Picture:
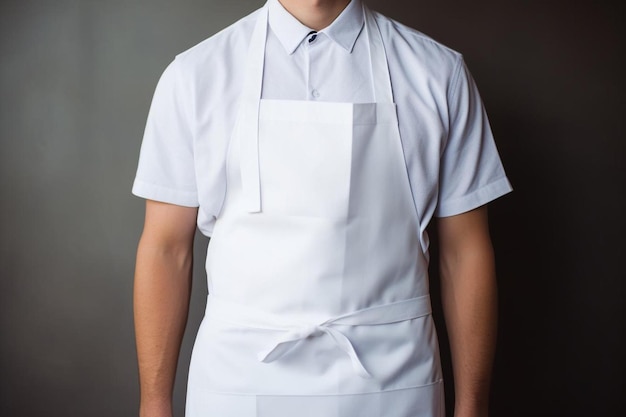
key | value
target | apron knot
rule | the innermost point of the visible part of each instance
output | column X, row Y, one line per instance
column 376, row 315
column 311, row 330
column 287, row 342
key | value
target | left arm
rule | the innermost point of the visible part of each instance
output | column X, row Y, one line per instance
column 469, row 297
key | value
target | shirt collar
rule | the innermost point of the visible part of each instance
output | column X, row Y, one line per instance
column 344, row 30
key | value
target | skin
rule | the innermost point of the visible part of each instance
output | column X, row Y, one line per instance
column 469, row 298
column 316, row 14
column 161, row 300
column 163, row 285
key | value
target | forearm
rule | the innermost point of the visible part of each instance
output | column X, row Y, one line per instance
column 470, row 308
column 161, row 302
column 469, row 295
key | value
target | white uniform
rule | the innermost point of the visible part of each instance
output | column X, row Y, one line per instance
column 318, row 284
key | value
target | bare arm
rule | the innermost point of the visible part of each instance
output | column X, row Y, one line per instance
column 469, row 295
column 161, row 300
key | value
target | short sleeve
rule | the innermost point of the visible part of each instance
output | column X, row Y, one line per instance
column 166, row 161
column 471, row 172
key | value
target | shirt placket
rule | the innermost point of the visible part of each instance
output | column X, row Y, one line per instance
column 314, row 46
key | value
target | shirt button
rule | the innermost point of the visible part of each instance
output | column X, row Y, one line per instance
column 315, row 93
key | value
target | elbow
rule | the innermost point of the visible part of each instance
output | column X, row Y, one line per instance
column 174, row 255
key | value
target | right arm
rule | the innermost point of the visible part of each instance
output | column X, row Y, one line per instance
column 161, row 300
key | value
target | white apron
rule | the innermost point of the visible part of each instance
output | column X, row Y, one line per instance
column 318, row 288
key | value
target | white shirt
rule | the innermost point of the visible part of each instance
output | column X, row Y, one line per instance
column 449, row 150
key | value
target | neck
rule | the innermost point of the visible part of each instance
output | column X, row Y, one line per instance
column 316, row 14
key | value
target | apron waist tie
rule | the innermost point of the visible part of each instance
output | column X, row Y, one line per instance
column 296, row 331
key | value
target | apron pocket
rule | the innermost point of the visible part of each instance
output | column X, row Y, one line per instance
column 304, row 165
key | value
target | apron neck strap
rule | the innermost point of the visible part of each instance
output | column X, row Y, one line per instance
column 378, row 59
column 247, row 125
column 255, row 62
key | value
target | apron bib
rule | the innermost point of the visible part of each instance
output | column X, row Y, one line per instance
column 318, row 287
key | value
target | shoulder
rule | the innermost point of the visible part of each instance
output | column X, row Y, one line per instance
column 223, row 49
column 416, row 49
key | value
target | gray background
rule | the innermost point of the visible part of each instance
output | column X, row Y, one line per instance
column 76, row 81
